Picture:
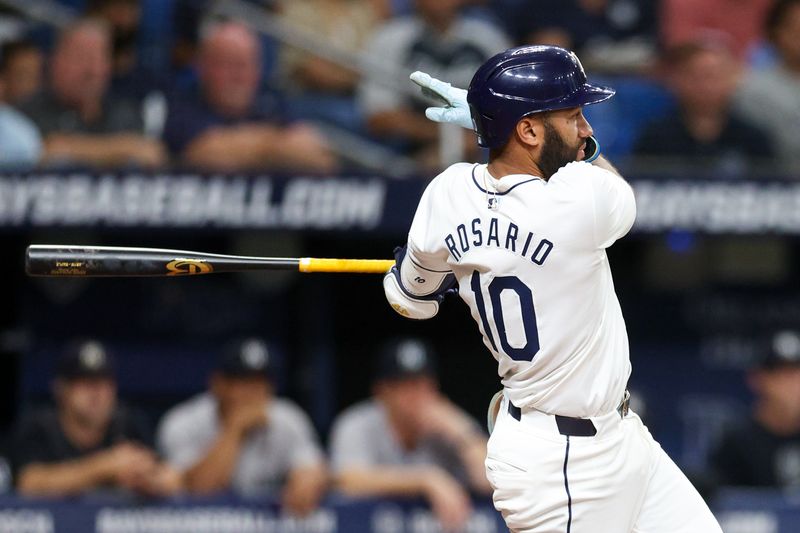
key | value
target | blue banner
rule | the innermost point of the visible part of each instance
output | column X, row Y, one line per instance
column 231, row 515
column 739, row 511
column 758, row 511
column 357, row 203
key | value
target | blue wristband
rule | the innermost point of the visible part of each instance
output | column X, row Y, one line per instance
column 596, row 153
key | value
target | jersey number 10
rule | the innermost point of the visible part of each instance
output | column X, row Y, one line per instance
column 526, row 311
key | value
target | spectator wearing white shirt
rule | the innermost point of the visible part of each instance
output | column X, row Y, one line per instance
column 238, row 436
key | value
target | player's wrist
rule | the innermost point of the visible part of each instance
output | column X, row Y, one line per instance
column 102, row 466
column 428, row 481
column 592, row 150
column 235, row 427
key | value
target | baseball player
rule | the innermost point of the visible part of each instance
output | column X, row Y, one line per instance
column 523, row 238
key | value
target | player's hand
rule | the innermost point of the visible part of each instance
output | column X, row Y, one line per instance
column 161, row 481
column 454, row 110
column 304, row 489
column 148, row 153
column 130, row 148
column 449, row 501
column 127, row 463
column 246, row 417
column 308, row 148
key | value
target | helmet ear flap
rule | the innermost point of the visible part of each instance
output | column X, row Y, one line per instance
column 483, row 126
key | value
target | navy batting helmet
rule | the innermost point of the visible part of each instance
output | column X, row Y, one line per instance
column 526, row 80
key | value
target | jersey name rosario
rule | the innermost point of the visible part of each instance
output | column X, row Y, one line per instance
column 495, row 234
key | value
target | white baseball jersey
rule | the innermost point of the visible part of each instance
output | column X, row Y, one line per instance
column 267, row 456
column 529, row 256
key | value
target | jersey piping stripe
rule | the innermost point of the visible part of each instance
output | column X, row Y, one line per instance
column 566, row 485
column 428, row 269
column 475, row 181
column 418, row 297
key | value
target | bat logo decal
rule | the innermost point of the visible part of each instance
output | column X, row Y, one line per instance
column 188, row 267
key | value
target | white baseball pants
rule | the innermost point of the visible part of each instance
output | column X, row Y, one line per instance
column 617, row 481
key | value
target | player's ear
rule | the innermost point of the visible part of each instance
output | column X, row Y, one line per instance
column 530, row 131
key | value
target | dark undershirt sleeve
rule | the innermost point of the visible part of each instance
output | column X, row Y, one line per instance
column 31, row 444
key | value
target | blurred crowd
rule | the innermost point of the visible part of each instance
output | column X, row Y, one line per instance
column 321, row 85
column 406, row 440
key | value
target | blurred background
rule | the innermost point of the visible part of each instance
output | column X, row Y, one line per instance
column 289, row 128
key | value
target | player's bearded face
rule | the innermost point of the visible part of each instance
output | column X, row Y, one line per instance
column 556, row 152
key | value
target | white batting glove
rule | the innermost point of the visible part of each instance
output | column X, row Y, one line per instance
column 454, row 110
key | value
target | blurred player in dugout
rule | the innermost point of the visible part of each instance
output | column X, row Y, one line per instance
column 88, row 441
column 238, row 436
column 764, row 450
column 409, row 439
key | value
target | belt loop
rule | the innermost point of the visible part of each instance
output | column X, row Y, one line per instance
column 624, row 405
column 514, row 411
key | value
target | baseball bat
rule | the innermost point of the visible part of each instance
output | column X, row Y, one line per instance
column 116, row 261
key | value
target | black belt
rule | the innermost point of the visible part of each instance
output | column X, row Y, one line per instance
column 575, row 427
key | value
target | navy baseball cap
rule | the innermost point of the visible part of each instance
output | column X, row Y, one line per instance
column 246, row 358
column 405, row 358
column 782, row 349
column 85, row 359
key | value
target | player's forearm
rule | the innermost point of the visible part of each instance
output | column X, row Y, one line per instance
column 383, row 481
column 313, row 478
column 305, row 488
column 472, row 451
column 605, row 164
column 215, row 471
column 62, row 479
column 464, row 436
column 100, row 150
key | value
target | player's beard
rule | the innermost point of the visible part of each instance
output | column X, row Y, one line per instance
column 555, row 152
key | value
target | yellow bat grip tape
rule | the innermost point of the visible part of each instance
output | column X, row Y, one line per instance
column 363, row 266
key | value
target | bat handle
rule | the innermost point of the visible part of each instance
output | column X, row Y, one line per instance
column 361, row 266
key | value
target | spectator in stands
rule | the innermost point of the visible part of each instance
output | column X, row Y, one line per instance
column 21, row 67
column 225, row 126
column 80, row 122
column 437, row 39
column 345, row 24
column 606, row 34
column 130, row 78
column 239, row 436
column 409, row 439
column 764, row 451
column 684, row 21
column 316, row 88
column 89, row 441
column 123, row 17
column 770, row 98
column 20, row 142
column 704, row 132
